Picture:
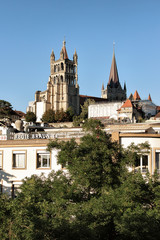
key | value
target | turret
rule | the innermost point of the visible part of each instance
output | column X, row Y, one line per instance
column 75, row 57
column 63, row 53
column 52, row 57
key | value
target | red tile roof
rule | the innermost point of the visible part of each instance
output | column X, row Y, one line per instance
column 127, row 104
column 136, row 96
column 158, row 108
column 64, row 50
column 157, row 115
column 149, row 98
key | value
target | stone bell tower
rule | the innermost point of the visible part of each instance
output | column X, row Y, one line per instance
column 62, row 87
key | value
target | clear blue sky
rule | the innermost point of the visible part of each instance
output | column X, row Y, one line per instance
column 30, row 29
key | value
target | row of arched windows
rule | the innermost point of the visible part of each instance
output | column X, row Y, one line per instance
column 69, row 68
column 59, row 67
column 68, row 79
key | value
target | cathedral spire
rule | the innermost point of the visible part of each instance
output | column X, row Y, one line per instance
column 63, row 53
column 113, row 77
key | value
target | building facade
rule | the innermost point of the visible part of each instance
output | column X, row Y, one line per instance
column 62, row 88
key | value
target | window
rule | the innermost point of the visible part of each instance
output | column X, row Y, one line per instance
column 141, row 163
column 158, row 162
column 1, row 160
column 19, row 159
column 62, row 66
column 43, row 159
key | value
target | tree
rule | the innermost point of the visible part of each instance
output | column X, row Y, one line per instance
column 77, row 120
column 95, row 163
column 60, row 116
column 5, row 216
column 49, row 116
column 30, row 117
column 70, row 114
column 95, row 198
column 5, row 109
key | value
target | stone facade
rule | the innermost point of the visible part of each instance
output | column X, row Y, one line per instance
column 62, row 88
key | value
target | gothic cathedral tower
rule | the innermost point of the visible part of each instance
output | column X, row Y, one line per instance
column 63, row 82
column 114, row 91
column 62, row 88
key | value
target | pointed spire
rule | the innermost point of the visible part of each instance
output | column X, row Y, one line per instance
column 136, row 96
column 102, row 86
column 125, row 86
column 63, row 53
column 52, row 53
column 52, row 57
column 75, row 56
column 75, row 53
column 149, row 98
column 131, row 97
column 113, row 77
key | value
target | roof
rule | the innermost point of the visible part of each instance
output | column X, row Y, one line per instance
column 136, row 96
column 113, row 77
column 158, row 108
column 64, row 50
column 157, row 115
column 83, row 98
column 19, row 113
column 127, row 104
column 131, row 97
column 149, row 98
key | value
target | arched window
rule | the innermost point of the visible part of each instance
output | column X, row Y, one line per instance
column 62, row 66
column 71, row 68
column 66, row 67
column 61, row 78
column 54, row 68
column 54, row 80
column 58, row 68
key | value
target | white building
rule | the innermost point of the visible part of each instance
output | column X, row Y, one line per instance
column 26, row 154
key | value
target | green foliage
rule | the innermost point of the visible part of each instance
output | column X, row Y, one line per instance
column 134, row 151
column 49, row 116
column 77, row 120
column 30, row 117
column 60, row 116
column 5, row 109
column 5, row 217
column 96, row 199
column 96, row 163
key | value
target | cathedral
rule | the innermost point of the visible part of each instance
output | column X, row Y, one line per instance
column 62, row 88
column 114, row 91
